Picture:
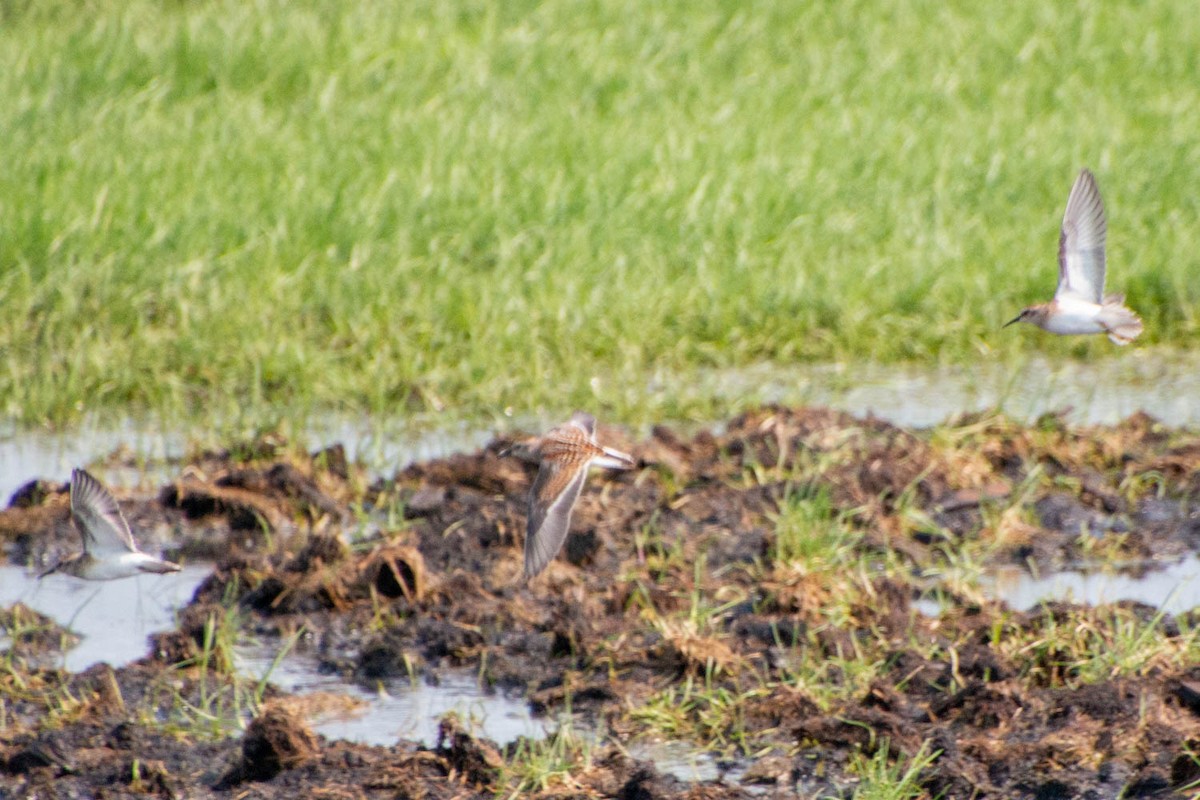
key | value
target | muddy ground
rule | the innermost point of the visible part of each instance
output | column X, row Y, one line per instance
column 672, row 592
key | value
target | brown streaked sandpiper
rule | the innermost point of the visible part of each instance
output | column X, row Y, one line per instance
column 1080, row 305
column 109, row 551
column 564, row 456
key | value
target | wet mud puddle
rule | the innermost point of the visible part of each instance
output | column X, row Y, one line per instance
column 1173, row 589
column 409, row 710
column 1162, row 383
column 113, row 619
column 688, row 763
column 412, row 711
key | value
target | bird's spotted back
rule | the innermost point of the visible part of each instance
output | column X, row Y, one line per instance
column 568, row 445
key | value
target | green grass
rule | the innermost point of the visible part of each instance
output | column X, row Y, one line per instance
column 205, row 697
column 881, row 779
column 538, row 765
column 1094, row 645
column 811, row 536
column 225, row 208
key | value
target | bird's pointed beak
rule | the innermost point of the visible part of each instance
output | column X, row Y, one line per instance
column 1017, row 318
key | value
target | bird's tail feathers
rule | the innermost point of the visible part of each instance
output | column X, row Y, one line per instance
column 1121, row 323
column 159, row 567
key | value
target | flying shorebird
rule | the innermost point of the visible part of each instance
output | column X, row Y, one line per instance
column 109, row 551
column 564, row 456
column 1079, row 304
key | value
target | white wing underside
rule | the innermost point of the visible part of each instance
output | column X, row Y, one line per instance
column 1081, row 259
column 98, row 517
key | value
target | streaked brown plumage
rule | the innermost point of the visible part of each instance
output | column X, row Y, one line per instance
column 564, row 456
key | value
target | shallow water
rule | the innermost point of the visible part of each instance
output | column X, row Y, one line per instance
column 1174, row 588
column 378, row 444
column 112, row 618
column 38, row 453
column 397, row 709
column 928, row 607
column 685, row 762
column 411, row 710
column 1163, row 383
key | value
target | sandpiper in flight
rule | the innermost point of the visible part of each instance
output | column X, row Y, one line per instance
column 564, row 455
column 109, row 551
column 1079, row 304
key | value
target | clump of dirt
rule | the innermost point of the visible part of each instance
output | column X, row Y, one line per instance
column 776, row 564
column 476, row 760
column 276, row 740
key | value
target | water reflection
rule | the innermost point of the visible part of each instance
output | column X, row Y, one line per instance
column 37, row 453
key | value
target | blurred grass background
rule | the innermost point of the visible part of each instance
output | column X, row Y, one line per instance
column 220, row 208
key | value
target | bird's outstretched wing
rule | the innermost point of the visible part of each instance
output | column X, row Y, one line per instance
column 1081, row 243
column 551, row 501
column 98, row 517
column 585, row 422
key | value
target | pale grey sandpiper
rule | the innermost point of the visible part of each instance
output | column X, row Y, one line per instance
column 109, row 551
column 564, row 456
column 1080, row 305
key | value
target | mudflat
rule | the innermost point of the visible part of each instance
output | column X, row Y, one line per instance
column 799, row 591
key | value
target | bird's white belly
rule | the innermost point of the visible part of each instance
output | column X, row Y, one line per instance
column 1075, row 316
column 111, row 568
